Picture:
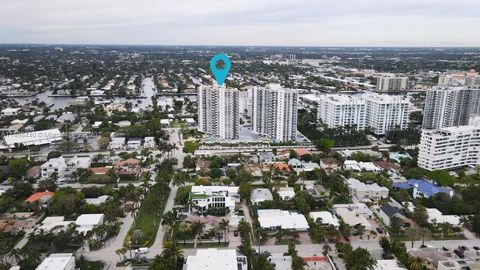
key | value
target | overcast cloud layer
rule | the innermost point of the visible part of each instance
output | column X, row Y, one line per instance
column 243, row 22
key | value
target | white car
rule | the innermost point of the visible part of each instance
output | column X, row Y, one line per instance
column 142, row 250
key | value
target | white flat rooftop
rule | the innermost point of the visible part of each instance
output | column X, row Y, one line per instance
column 212, row 259
column 271, row 218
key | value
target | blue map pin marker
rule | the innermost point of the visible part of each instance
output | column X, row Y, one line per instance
column 220, row 74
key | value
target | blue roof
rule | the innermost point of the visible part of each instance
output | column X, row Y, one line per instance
column 423, row 186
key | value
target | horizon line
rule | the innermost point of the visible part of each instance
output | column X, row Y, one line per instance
column 218, row 45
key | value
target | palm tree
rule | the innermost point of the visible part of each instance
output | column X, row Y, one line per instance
column 119, row 253
column 426, row 235
column 224, row 224
column 172, row 251
column 197, row 229
column 169, row 218
column 16, row 254
column 446, row 229
column 178, row 179
column 360, row 231
column 415, row 263
column 411, row 234
column 326, row 249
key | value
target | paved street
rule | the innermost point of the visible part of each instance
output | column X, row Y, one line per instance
column 157, row 246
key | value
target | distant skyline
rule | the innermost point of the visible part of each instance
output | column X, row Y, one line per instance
column 377, row 23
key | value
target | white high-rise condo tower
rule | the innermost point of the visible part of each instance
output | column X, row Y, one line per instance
column 275, row 112
column 378, row 112
column 450, row 106
column 218, row 111
column 450, row 147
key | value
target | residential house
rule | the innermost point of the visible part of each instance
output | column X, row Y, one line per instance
column 326, row 218
column 254, row 169
column 274, row 219
column 87, row 222
column 297, row 151
column 203, row 166
column 388, row 265
column 422, row 188
column 354, row 165
column 330, row 165
column 117, row 143
column 354, row 214
column 366, row 192
column 41, row 197
column 127, row 168
column 387, row 212
column 134, row 143
column 286, row 193
column 437, row 217
column 260, row 195
column 98, row 201
column 301, row 166
column 205, row 197
column 149, row 143
column 64, row 167
column 11, row 111
column 58, row 261
column 216, row 259
column 56, row 166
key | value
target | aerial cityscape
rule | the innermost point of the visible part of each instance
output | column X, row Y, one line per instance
column 164, row 151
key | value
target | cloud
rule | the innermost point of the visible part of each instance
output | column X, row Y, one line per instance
column 242, row 22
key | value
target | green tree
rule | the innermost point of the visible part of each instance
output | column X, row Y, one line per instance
column 18, row 167
column 359, row 259
column 245, row 190
column 324, row 144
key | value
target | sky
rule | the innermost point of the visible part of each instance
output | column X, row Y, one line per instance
column 438, row 23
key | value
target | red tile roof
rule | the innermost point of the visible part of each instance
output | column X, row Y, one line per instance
column 39, row 195
column 99, row 170
column 314, row 259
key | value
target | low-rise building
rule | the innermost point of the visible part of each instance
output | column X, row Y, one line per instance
column 330, row 164
column 117, row 143
column 87, row 222
column 64, row 167
column 274, row 219
column 36, row 138
column 205, row 197
column 53, row 224
column 326, row 218
column 286, row 193
column 387, row 212
column 97, row 201
column 363, row 191
column 260, row 195
column 437, row 217
column 388, row 265
column 127, row 168
column 422, row 188
column 58, row 261
column 149, row 143
column 354, row 214
column 216, row 259
column 134, row 143
column 301, row 166
column 11, row 111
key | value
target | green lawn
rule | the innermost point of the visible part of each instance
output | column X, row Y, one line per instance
column 148, row 218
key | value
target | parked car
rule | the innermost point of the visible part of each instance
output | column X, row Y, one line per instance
column 235, row 233
column 379, row 230
column 142, row 250
column 462, row 248
column 476, row 248
column 445, row 249
column 459, row 253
